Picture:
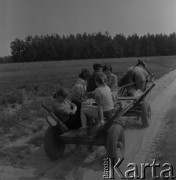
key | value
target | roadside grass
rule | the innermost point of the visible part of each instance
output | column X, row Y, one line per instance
column 164, row 148
column 22, row 131
column 11, row 155
column 26, row 116
column 11, row 97
column 25, row 86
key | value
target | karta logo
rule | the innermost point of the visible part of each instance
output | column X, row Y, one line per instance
column 134, row 171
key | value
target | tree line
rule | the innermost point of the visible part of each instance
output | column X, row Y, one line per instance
column 88, row 46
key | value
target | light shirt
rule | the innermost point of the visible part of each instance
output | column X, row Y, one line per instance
column 106, row 97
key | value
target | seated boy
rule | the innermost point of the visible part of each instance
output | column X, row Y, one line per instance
column 66, row 110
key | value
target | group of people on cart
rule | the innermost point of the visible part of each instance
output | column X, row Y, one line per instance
column 91, row 97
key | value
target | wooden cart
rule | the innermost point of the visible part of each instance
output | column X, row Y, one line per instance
column 111, row 134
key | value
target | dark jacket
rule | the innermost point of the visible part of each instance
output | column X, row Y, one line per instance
column 91, row 85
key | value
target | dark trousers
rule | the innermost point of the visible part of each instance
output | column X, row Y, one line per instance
column 74, row 121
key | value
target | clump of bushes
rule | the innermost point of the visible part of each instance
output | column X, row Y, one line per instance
column 12, row 155
column 47, row 89
column 6, row 122
column 24, row 119
column 11, row 97
column 40, row 89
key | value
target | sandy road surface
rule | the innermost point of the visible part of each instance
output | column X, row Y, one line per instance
column 138, row 144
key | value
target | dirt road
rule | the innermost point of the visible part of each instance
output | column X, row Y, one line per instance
column 138, row 145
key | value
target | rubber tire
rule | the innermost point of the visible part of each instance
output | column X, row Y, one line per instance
column 53, row 146
column 145, row 114
column 115, row 135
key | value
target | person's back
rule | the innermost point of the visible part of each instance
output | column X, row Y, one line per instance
column 104, row 108
column 106, row 97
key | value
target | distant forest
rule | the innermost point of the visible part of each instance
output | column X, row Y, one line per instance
column 88, row 46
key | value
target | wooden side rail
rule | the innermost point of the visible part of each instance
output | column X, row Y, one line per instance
column 122, row 112
column 127, row 98
column 144, row 94
column 62, row 126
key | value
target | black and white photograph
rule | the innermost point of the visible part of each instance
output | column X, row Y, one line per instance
column 87, row 89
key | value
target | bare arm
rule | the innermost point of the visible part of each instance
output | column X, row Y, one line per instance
column 61, row 110
column 73, row 108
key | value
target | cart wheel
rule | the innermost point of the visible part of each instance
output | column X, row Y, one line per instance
column 53, row 146
column 115, row 142
column 146, row 114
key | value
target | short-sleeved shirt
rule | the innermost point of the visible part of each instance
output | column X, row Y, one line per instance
column 105, row 97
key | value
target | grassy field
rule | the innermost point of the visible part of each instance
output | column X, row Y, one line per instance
column 65, row 72
column 25, row 86
column 41, row 79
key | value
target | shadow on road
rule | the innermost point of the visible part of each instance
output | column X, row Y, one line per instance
column 69, row 165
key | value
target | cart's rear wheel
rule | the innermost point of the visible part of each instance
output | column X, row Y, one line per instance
column 115, row 142
column 53, row 146
column 145, row 114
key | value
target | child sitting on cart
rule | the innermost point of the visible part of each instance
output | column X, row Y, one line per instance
column 104, row 108
column 66, row 110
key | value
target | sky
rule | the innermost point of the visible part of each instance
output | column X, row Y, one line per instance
column 20, row 18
